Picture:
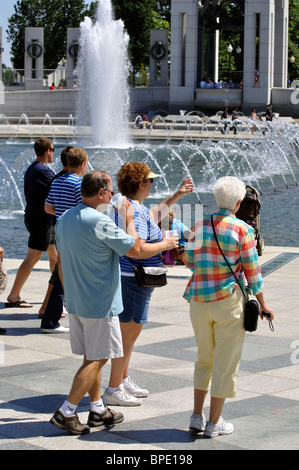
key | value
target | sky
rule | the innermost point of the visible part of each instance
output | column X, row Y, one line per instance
column 6, row 11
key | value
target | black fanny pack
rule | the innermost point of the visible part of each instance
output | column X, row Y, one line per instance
column 150, row 276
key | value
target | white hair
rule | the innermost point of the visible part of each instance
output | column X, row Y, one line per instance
column 228, row 190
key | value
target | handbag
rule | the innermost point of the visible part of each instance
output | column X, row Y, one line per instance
column 251, row 308
column 150, row 276
column 3, row 278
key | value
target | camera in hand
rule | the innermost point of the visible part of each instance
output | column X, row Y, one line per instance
column 265, row 314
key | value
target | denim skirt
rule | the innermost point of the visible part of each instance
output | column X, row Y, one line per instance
column 135, row 300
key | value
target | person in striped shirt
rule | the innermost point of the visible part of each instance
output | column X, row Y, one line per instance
column 65, row 193
column 134, row 181
column 217, row 302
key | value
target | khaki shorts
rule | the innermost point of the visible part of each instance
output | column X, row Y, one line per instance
column 96, row 338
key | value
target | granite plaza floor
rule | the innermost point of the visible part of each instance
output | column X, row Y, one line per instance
column 36, row 371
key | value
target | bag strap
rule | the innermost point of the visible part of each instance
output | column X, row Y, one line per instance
column 270, row 321
column 226, row 259
column 133, row 264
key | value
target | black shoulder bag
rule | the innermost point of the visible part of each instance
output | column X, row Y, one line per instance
column 252, row 308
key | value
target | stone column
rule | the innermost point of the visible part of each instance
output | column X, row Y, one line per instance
column 73, row 36
column 1, row 50
column 259, row 22
column 281, row 43
column 183, row 68
column 159, row 48
column 34, row 58
column 2, row 100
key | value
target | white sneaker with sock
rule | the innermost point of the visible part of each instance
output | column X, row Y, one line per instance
column 221, row 428
column 197, row 422
column 120, row 397
column 134, row 389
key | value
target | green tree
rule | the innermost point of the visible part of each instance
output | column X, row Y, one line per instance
column 137, row 16
column 55, row 16
column 294, row 39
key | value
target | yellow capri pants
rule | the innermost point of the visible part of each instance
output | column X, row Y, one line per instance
column 219, row 332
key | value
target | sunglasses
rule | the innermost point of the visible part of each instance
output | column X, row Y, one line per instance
column 52, row 150
column 151, row 180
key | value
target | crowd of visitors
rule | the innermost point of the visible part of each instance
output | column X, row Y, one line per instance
column 96, row 241
column 210, row 83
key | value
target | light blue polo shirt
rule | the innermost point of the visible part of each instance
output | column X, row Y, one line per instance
column 90, row 245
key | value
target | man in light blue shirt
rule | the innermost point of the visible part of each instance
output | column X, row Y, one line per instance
column 89, row 245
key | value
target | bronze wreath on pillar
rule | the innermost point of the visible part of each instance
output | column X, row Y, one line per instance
column 74, row 50
column 34, row 50
column 158, row 51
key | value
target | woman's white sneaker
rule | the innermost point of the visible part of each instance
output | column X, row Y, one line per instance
column 134, row 389
column 221, row 428
column 120, row 397
column 197, row 422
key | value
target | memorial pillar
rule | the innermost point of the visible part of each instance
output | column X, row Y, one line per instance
column 159, row 57
column 73, row 36
column 281, row 43
column 34, row 58
column 184, row 57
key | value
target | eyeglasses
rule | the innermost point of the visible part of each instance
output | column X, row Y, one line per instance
column 52, row 150
column 111, row 192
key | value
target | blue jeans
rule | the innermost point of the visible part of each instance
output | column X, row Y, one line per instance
column 54, row 307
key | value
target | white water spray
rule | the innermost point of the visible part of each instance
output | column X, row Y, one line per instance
column 103, row 69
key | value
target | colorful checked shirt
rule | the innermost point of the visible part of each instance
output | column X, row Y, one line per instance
column 212, row 279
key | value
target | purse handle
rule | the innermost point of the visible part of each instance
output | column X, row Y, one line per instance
column 245, row 296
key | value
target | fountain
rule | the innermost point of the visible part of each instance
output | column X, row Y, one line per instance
column 48, row 118
column 103, row 70
column 192, row 146
column 267, row 162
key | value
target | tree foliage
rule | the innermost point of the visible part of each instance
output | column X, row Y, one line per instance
column 294, row 39
column 55, row 16
column 139, row 16
column 138, row 19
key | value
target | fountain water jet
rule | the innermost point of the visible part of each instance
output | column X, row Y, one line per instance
column 103, row 69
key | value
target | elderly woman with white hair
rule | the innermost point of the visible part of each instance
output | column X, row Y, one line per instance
column 217, row 303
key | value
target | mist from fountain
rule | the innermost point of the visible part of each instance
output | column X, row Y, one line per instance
column 103, row 70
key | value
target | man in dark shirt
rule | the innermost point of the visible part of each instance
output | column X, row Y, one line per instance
column 269, row 113
column 39, row 224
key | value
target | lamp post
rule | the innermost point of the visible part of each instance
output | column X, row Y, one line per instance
column 292, row 60
column 230, row 50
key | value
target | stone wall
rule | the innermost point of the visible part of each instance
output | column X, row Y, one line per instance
column 60, row 104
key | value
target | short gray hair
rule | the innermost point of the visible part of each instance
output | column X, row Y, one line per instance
column 93, row 182
column 228, row 190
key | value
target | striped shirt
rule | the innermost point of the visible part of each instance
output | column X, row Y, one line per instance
column 147, row 230
column 65, row 192
column 212, row 279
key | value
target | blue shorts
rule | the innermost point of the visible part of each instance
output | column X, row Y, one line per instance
column 136, row 301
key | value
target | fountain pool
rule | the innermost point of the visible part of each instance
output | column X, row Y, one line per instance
column 269, row 163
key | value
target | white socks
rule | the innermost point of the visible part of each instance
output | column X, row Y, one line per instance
column 97, row 406
column 68, row 409
column 113, row 389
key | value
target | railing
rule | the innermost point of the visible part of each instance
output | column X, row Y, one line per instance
column 16, row 77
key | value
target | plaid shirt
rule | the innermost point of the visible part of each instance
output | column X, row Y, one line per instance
column 212, row 279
